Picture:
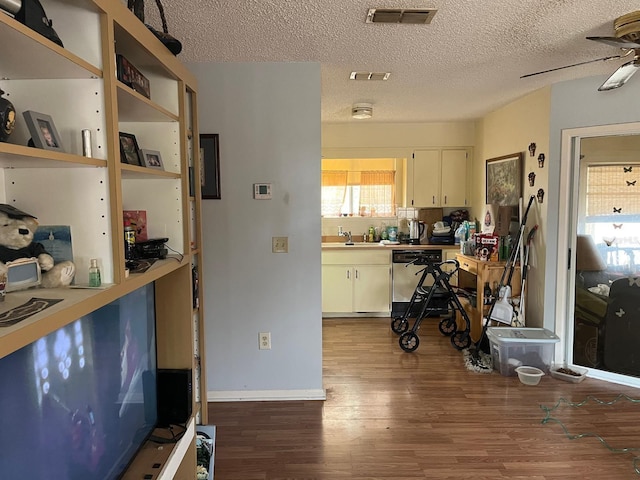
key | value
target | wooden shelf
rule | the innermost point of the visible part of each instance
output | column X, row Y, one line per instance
column 32, row 56
column 134, row 171
column 20, row 156
column 135, row 107
column 77, row 85
column 164, row 460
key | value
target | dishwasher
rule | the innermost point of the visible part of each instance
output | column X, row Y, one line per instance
column 404, row 281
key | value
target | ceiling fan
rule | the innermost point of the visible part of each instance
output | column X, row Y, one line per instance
column 627, row 37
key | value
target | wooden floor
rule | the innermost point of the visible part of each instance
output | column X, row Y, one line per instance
column 396, row 415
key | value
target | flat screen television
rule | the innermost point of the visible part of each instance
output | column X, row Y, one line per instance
column 80, row 402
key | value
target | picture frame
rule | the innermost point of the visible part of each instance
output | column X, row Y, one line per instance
column 210, row 166
column 131, row 76
column 129, row 150
column 504, row 179
column 43, row 131
column 152, row 159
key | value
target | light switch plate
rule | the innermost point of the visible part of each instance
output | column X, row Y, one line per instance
column 280, row 244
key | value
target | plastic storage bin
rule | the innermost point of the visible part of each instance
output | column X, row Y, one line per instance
column 513, row 347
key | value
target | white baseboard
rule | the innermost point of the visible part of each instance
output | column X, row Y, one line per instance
column 265, row 395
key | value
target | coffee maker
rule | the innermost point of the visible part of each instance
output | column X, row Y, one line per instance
column 416, row 229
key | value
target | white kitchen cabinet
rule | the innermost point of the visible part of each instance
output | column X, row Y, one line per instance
column 437, row 178
column 356, row 282
column 337, row 288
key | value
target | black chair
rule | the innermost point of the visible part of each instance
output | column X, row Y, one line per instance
column 622, row 327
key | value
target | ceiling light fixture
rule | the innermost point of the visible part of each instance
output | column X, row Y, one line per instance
column 362, row 110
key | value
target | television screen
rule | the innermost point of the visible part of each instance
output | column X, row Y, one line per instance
column 80, row 402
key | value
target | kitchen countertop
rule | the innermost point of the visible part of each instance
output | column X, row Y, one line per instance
column 369, row 246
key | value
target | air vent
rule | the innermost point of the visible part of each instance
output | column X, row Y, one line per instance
column 369, row 75
column 400, row 15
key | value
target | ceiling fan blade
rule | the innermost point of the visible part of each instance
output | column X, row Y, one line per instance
column 615, row 42
column 572, row 65
column 620, row 76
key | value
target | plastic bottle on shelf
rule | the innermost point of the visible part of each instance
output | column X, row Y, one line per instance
column 94, row 274
column 129, row 240
column 486, row 294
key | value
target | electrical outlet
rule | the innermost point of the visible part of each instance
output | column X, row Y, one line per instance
column 264, row 341
column 280, row 244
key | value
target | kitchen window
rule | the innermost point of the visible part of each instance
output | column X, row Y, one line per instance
column 358, row 193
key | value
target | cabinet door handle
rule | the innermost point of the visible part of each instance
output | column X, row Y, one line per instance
column 445, row 199
column 348, row 274
column 433, row 200
column 356, row 274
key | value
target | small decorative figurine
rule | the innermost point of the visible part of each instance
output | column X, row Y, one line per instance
column 532, row 179
column 7, row 118
column 541, row 160
column 532, row 149
column 540, row 195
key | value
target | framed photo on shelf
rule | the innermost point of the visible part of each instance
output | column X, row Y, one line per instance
column 131, row 76
column 210, row 166
column 152, row 159
column 129, row 151
column 504, row 179
column 43, row 131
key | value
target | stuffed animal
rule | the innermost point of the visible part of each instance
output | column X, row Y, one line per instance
column 16, row 241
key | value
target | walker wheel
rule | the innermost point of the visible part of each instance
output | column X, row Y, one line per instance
column 399, row 325
column 409, row 341
column 461, row 340
column 447, row 326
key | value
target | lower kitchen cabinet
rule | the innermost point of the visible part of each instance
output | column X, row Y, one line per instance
column 450, row 255
column 356, row 282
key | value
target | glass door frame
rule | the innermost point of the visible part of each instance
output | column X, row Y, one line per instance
column 568, row 195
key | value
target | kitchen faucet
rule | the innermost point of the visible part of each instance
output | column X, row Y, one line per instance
column 346, row 234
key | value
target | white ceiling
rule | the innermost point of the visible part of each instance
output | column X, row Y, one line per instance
column 466, row 63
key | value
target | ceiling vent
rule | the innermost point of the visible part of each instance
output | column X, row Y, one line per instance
column 362, row 110
column 369, row 75
column 415, row 16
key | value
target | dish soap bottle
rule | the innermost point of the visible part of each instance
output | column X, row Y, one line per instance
column 94, row 274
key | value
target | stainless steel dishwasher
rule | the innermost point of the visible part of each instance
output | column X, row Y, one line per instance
column 404, row 280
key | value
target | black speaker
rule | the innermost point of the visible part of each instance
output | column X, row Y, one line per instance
column 175, row 396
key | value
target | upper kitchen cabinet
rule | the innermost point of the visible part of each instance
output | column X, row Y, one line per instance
column 437, row 178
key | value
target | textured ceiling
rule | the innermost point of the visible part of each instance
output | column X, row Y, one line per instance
column 466, row 63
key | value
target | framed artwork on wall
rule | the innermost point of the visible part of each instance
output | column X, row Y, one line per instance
column 210, row 166
column 504, row 179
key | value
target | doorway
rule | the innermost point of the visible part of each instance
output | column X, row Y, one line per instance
column 602, row 240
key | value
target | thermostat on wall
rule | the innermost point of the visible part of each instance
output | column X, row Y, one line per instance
column 262, row 191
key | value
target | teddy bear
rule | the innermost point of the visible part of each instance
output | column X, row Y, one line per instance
column 16, row 242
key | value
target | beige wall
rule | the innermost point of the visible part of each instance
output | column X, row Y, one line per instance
column 507, row 130
column 371, row 140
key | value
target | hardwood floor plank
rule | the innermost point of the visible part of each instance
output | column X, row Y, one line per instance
column 400, row 416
